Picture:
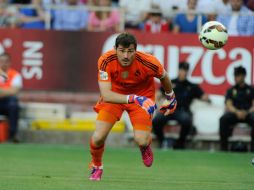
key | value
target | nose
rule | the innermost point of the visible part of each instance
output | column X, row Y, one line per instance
column 125, row 54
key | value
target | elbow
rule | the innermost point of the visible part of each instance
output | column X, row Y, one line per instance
column 106, row 97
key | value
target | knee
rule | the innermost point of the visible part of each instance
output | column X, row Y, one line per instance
column 98, row 138
column 13, row 102
column 251, row 116
column 186, row 120
column 142, row 140
column 159, row 120
column 224, row 119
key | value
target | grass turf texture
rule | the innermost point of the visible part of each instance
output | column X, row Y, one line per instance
column 61, row 167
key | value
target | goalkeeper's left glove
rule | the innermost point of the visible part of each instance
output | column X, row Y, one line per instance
column 169, row 105
column 146, row 103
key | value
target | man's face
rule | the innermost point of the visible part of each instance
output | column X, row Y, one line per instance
column 72, row 2
column 5, row 63
column 236, row 4
column 125, row 55
column 192, row 4
column 182, row 74
column 240, row 79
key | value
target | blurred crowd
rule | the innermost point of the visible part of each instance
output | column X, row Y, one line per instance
column 155, row 16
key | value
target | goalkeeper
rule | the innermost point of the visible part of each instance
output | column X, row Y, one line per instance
column 126, row 82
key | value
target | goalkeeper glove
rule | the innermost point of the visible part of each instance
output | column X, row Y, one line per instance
column 146, row 103
column 169, row 105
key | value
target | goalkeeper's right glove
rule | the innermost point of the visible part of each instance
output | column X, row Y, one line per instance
column 146, row 103
column 169, row 105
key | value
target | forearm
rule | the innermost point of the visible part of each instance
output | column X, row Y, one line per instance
column 108, row 95
column 114, row 97
column 166, row 84
column 231, row 108
column 251, row 108
column 8, row 92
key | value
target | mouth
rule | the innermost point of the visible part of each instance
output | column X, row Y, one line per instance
column 125, row 62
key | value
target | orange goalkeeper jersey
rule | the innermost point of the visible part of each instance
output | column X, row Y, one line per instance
column 138, row 78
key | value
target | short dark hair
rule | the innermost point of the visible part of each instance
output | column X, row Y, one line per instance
column 240, row 70
column 126, row 39
column 184, row 65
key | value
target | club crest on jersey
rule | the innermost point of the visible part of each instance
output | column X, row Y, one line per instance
column 103, row 75
column 125, row 74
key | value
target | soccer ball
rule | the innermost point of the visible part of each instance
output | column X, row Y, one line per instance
column 213, row 35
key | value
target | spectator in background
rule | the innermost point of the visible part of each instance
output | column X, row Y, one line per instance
column 84, row 1
column 8, row 15
column 188, row 22
column 20, row 1
column 104, row 20
column 169, row 6
column 222, row 7
column 32, row 17
column 68, row 18
column 89, row 2
column 136, row 12
column 250, row 4
column 207, row 8
column 239, row 21
column 9, row 88
column 156, row 23
column 47, row 3
column 185, row 92
column 3, row 14
column 239, row 102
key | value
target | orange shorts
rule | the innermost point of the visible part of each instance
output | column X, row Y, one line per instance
column 111, row 113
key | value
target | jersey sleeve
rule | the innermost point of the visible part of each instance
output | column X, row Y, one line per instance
column 198, row 92
column 103, row 70
column 228, row 95
column 17, row 81
column 156, row 68
column 252, row 93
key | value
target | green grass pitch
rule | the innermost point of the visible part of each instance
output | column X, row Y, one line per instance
column 64, row 167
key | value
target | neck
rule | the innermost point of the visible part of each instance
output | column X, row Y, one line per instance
column 242, row 84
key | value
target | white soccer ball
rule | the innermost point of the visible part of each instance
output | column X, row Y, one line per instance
column 213, row 35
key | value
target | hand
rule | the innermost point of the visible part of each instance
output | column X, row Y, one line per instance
column 3, row 75
column 169, row 105
column 241, row 114
column 146, row 103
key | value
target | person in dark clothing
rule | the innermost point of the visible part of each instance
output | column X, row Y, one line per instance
column 239, row 101
column 185, row 92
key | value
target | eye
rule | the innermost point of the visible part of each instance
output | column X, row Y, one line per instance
column 130, row 51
